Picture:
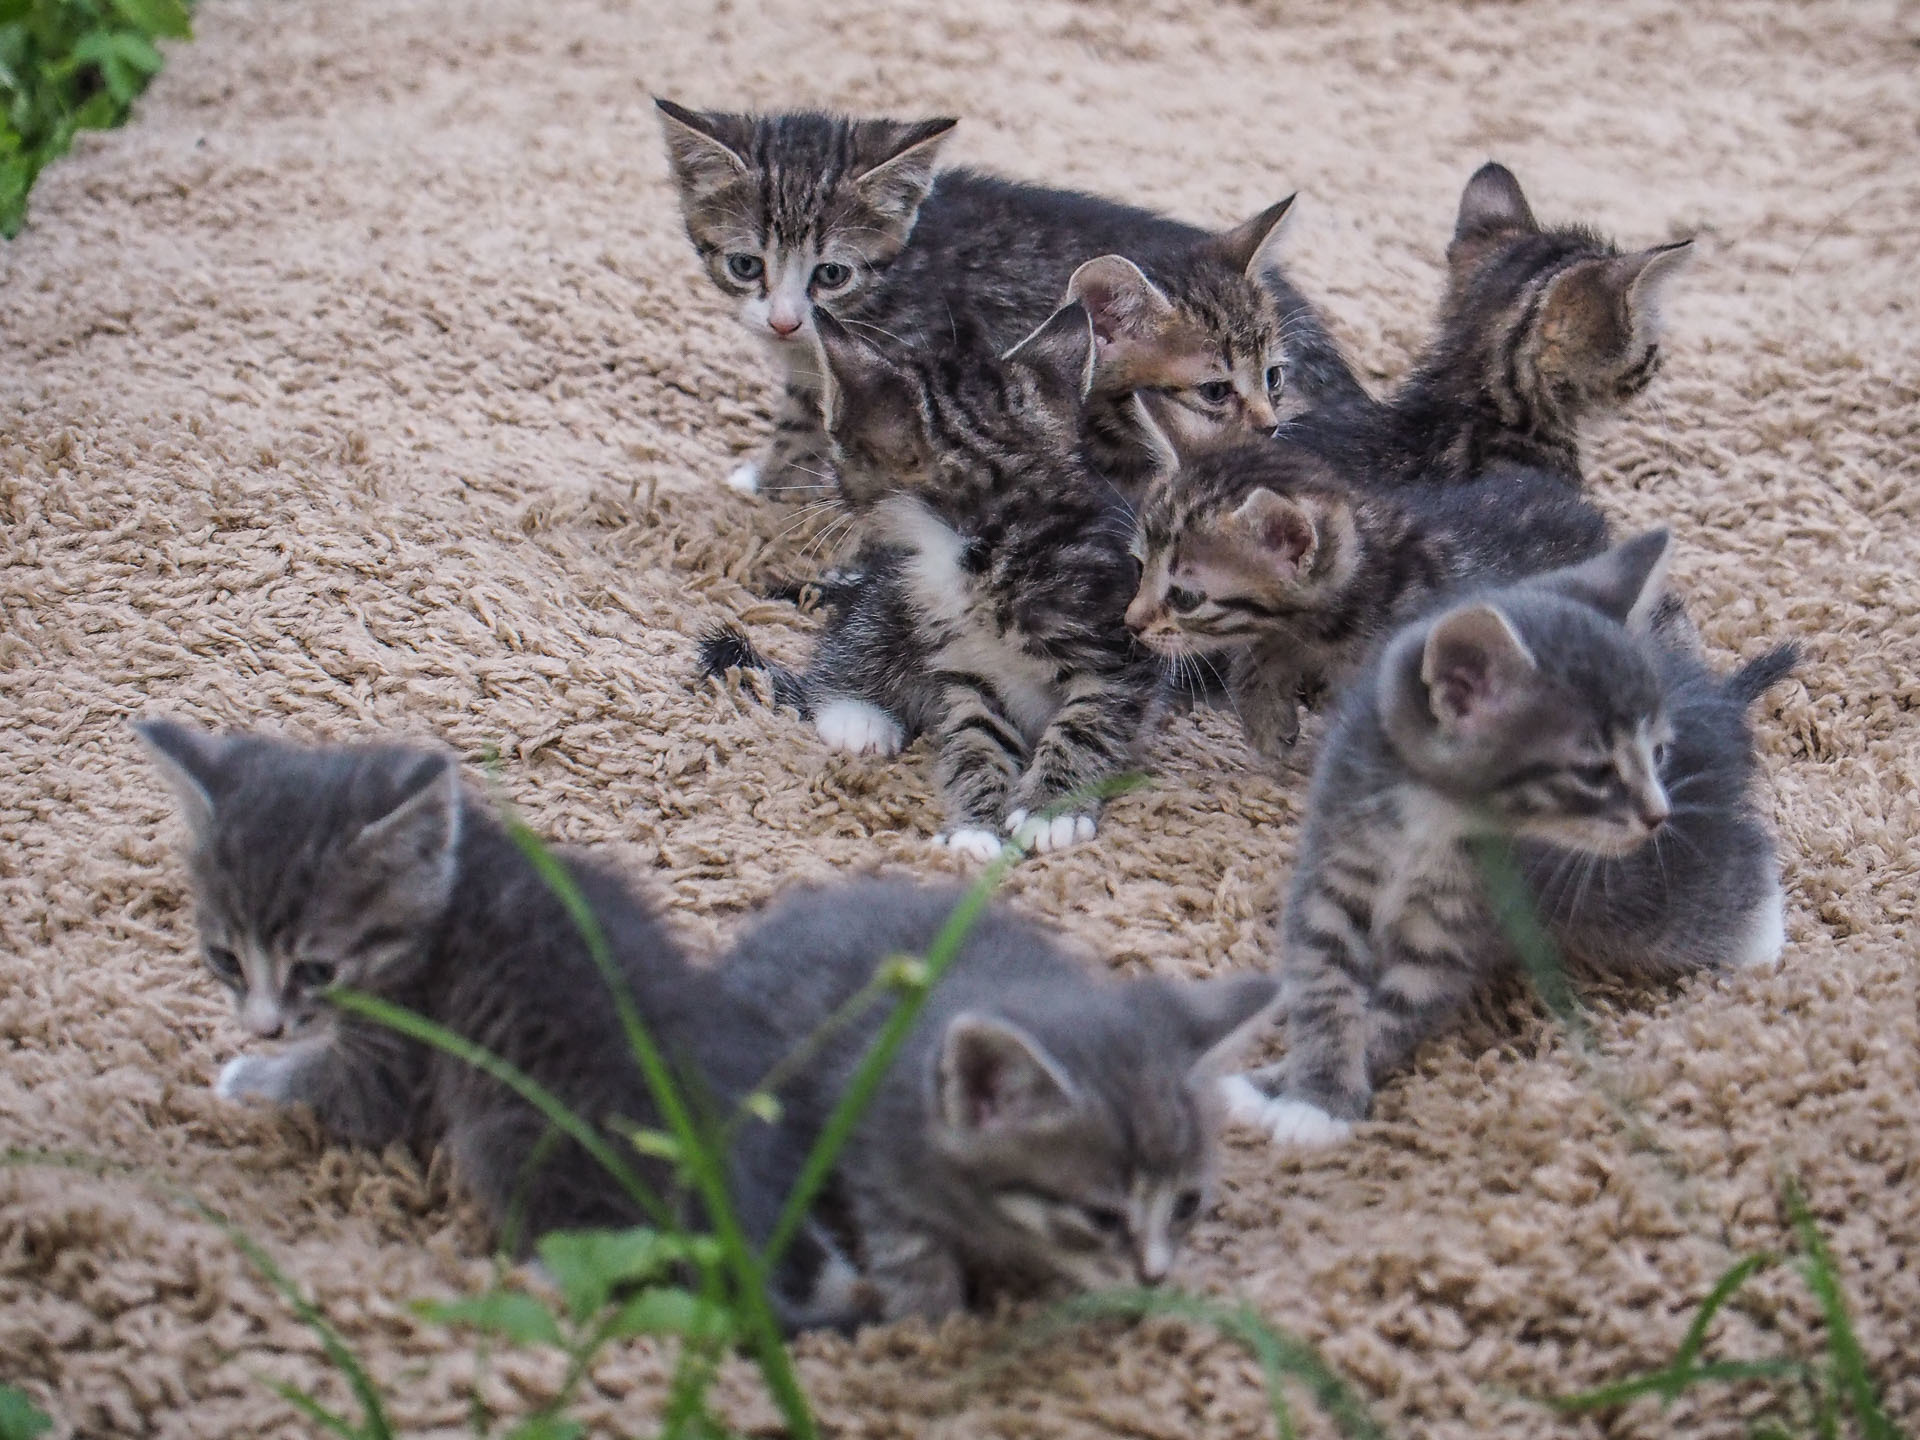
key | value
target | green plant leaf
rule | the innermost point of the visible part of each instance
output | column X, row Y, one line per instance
column 547, row 1427
column 20, row 1418
column 157, row 17
column 1843, row 1346
column 511, row 1314
column 588, row 1265
column 1723, row 1290
column 311, row 1408
column 670, row 1311
column 136, row 50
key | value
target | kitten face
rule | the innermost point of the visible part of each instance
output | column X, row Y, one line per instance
column 1091, row 1150
column 1540, row 708
column 1233, row 544
column 1575, row 322
column 789, row 212
column 312, row 867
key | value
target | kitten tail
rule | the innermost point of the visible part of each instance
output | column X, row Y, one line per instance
column 1757, row 676
column 727, row 647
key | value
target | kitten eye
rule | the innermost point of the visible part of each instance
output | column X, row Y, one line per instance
column 1660, row 753
column 223, row 962
column 832, row 275
column 1105, row 1219
column 1183, row 602
column 1276, row 379
column 1215, row 392
column 746, row 267
column 312, row 975
column 1185, row 1206
column 1595, row 777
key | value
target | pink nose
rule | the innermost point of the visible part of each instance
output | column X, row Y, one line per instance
column 781, row 325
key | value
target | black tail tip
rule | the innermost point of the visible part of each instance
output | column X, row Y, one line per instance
column 726, row 647
column 1761, row 674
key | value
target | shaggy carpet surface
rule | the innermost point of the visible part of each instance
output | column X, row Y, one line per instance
column 367, row 384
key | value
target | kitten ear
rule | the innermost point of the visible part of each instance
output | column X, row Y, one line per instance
column 900, row 156
column 994, row 1076
column 1062, row 350
column 191, row 762
column 1282, row 528
column 1472, row 662
column 867, row 400
column 1248, row 247
column 1645, row 275
column 1492, row 200
column 1627, row 582
column 704, row 149
column 411, row 847
column 1224, row 1015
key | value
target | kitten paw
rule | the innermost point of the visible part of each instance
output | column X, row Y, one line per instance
column 1304, row 1126
column 745, row 479
column 1766, row 936
column 1057, row 833
column 972, row 843
column 251, row 1077
column 859, row 727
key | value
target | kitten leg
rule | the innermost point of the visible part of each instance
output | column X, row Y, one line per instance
column 1090, row 739
column 981, row 752
column 355, row 1090
column 858, row 726
column 1265, row 686
column 798, row 461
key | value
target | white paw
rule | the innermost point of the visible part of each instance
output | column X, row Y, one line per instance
column 1766, row 935
column 247, row 1077
column 745, row 479
column 1246, row 1102
column 1295, row 1122
column 1057, row 833
column 974, row 844
column 857, row 726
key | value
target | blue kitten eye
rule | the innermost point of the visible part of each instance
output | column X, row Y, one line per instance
column 746, row 267
column 1276, row 378
column 1105, row 1219
column 832, row 275
column 1215, row 392
column 311, row 975
column 223, row 962
column 1183, row 602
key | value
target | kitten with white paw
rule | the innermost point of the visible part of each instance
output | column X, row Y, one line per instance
column 1550, row 718
column 373, row 867
column 1041, row 1129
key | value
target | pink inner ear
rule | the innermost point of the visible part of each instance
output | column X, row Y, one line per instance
column 1462, row 691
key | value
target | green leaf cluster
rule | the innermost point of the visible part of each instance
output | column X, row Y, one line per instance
column 68, row 66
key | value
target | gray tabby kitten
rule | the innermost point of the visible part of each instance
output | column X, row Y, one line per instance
column 990, row 610
column 803, row 213
column 1260, row 560
column 1546, row 717
column 373, row 867
column 1040, row 1128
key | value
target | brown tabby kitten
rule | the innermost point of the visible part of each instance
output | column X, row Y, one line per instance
column 1540, row 328
column 793, row 212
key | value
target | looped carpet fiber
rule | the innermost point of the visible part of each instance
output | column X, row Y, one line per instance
column 366, row 384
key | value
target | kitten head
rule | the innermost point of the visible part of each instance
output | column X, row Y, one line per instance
column 312, row 867
column 926, row 422
column 1199, row 339
column 1538, row 707
column 797, row 211
column 1238, row 541
column 1082, row 1125
column 1563, row 323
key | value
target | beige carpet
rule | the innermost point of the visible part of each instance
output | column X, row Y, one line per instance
column 366, row 383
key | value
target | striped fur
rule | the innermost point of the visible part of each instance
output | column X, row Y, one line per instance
column 785, row 195
column 1548, row 717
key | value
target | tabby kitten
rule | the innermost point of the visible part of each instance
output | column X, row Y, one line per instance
column 991, row 611
column 1545, row 717
column 1039, row 1129
column 1260, row 560
column 1539, row 329
column 802, row 213
column 373, row 867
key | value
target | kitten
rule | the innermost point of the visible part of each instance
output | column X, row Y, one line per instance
column 373, row 867
column 1040, row 1127
column 990, row 613
column 1545, row 716
column 802, row 213
column 1260, row 560
column 1539, row 329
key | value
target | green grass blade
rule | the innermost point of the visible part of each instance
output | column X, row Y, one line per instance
column 307, row 1406
column 1669, row 1381
column 20, row 1418
column 1843, row 1347
column 1512, row 901
column 1723, row 1290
